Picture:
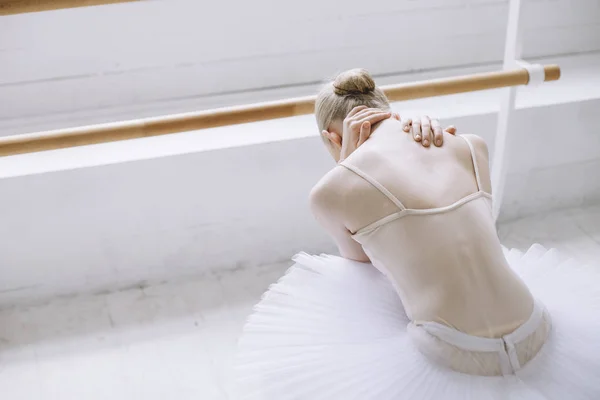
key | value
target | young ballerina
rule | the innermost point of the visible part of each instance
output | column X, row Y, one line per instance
column 446, row 313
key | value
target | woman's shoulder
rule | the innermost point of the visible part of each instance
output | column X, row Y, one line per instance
column 330, row 187
column 335, row 187
column 481, row 151
column 479, row 144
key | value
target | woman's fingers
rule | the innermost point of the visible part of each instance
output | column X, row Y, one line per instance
column 365, row 132
column 426, row 130
column 451, row 130
column 375, row 117
column 359, row 116
column 416, row 127
column 335, row 139
column 438, row 134
column 406, row 125
column 356, row 110
column 364, row 114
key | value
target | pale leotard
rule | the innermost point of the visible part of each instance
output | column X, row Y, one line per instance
column 446, row 263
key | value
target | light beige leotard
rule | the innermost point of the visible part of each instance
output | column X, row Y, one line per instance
column 439, row 247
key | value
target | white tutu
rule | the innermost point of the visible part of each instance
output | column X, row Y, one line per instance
column 334, row 329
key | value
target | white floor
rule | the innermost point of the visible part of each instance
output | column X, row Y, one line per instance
column 177, row 341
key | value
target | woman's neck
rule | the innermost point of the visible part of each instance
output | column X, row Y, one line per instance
column 390, row 129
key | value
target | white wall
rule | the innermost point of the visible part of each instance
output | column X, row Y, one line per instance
column 166, row 218
column 176, row 55
column 125, row 224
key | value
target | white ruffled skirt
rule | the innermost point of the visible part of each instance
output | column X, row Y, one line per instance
column 334, row 329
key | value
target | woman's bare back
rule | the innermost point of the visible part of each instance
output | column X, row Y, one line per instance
column 423, row 218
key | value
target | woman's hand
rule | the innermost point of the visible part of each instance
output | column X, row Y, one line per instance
column 425, row 129
column 356, row 128
column 358, row 124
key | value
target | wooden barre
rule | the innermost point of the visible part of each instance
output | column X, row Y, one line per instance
column 10, row 7
column 95, row 134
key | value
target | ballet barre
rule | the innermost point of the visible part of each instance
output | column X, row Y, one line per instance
column 11, row 7
column 112, row 132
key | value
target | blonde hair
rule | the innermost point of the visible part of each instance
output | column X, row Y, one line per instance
column 349, row 89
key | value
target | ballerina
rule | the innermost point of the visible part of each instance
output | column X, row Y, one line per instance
column 424, row 302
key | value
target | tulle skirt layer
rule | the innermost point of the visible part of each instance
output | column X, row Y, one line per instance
column 334, row 329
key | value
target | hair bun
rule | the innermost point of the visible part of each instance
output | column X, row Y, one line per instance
column 353, row 82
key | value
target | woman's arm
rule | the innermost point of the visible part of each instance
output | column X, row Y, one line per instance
column 326, row 204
